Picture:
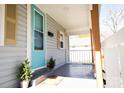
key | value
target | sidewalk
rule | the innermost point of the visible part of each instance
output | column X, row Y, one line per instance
column 67, row 82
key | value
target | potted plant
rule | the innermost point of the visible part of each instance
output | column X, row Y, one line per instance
column 51, row 63
column 25, row 73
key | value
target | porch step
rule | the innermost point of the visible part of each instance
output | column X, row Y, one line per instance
column 39, row 76
column 39, row 73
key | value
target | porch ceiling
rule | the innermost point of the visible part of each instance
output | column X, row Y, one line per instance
column 73, row 17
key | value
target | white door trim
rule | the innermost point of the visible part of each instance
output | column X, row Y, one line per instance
column 29, row 36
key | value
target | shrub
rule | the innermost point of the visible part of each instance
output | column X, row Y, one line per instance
column 51, row 63
column 25, row 71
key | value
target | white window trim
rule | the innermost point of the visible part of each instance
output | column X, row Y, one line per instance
column 2, row 24
column 29, row 32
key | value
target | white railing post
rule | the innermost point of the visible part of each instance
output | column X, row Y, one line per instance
column 80, row 56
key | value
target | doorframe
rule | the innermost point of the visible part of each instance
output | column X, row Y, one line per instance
column 29, row 35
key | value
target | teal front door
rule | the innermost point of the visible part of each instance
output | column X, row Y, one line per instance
column 38, row 38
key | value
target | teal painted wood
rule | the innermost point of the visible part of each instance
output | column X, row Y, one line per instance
column 37, row 56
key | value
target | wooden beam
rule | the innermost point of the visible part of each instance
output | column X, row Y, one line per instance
column 95, row 32
column 95, row 27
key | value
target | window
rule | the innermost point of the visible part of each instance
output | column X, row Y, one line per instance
column 10, row 24
column 38, row 32
column 60, row 40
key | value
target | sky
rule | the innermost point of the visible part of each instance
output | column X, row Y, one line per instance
column 104, row 30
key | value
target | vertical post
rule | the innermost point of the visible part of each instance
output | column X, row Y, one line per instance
column 29, row 32
column 96, row 44
column 94, row 70
column 91, row 45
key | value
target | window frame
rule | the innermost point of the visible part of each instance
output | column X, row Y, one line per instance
column 35, row 10
column 62, row 33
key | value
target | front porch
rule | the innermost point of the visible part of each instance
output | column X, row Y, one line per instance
column 43, row 32
column 58, row 44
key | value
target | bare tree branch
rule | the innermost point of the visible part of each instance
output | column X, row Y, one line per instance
column 114, row 19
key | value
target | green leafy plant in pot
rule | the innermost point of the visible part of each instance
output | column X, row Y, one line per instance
column 51, row 63
column 25, row 73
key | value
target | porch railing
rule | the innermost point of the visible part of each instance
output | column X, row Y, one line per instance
column 80, row 56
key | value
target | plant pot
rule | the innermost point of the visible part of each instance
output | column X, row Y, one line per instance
column 24, row 84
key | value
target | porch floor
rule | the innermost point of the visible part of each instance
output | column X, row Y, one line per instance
column 70, row 76
column 75, row 70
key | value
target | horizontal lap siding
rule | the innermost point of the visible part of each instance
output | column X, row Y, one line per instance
column 52, row 50
column 12, row 55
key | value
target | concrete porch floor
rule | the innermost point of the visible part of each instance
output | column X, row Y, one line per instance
column 75, row 70
column 71, row 75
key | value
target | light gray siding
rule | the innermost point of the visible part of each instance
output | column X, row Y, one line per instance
column 12, row 55
column 52, row 50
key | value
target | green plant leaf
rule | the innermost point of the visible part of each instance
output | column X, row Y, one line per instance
column 25, row 71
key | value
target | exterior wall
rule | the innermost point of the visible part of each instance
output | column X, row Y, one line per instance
column 67, row 48
column 52, row 50
column 12, row 55
column 113, row 49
